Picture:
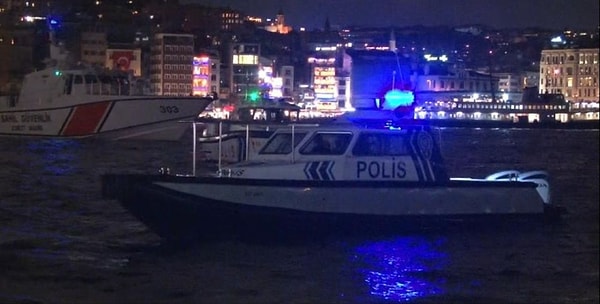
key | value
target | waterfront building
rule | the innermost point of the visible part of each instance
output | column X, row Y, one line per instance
column 201, row 75
column 171, row 62
column 215, row 73
column 510, row 86
column 93, row 45
column 531, row 78
column 323, row 81
column 329, row 78
column 244, row 70
column 572, row 72
column 286, row 74
column 533, row 108
column 442, row 83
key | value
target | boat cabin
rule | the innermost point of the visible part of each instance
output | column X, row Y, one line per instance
column 53, row 85
column 95, row 84
column 346, row 153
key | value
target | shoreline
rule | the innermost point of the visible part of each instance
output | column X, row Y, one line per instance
column 579, row 124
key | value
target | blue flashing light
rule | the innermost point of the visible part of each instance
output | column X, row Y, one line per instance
column 53, row 23
column 398, row 98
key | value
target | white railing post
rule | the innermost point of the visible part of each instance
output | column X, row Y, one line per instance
column 247, row 141
column 220, row 142
column 293, row 142
column 194, row 139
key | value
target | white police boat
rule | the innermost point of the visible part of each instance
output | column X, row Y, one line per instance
column 352, row 175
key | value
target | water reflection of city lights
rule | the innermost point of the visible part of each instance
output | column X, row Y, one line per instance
column 56, row 155
column 403, row 269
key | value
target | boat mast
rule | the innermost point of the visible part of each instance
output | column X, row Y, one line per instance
column 58, row 53
column 394, row 49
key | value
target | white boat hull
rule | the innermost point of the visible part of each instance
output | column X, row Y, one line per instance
column 398, row 200
column 149, row 117
column 182, row 207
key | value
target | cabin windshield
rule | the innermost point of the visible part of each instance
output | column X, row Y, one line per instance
column 92, row 84
column 381, row 144
column 281, row 143
column 327, row 143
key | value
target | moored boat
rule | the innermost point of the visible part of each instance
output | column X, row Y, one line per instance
column 74, row 101
column 358, row 174
column 48, row 113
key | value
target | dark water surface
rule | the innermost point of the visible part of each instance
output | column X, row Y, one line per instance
column 60, row 242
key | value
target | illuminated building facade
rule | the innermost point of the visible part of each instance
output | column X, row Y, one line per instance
column 269, row 85
column 201, row 73
column 278, row 25
column 572, row 72
column 244, row 73
column 325, row 84
column 171, row 62
column 231, row 20
column 276, row 83
column 205, row 75
column 464, row 85
column 324, row 77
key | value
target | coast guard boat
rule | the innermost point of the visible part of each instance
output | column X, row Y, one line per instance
column 66, row 100
column 362, row 173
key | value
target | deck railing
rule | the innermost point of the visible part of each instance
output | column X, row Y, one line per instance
column 247, row 125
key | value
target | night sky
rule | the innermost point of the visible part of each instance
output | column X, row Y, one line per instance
column 552, row 14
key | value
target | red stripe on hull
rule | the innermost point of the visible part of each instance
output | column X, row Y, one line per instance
column 85, row 119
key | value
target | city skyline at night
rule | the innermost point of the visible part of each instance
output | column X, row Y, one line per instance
column 311, row 14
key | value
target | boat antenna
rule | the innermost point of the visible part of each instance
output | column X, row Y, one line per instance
column 490, row 54
column 394, row 49
column 58, row 53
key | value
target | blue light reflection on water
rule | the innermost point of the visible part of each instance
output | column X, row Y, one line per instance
column 56, row 155
column 404, row 268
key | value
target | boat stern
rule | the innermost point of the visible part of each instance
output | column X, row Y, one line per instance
column 541, row 178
